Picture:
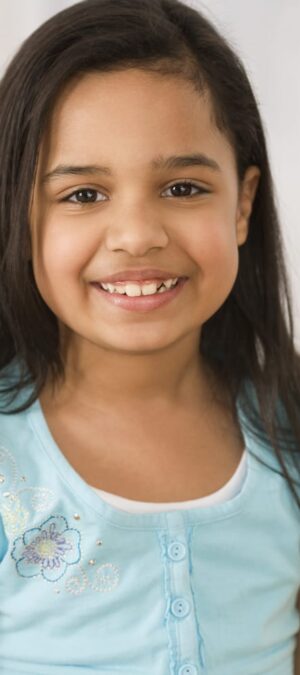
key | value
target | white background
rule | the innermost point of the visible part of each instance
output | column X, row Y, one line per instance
column 265, row 33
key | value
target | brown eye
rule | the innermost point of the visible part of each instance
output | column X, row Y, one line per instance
column 83, row 196
column 184, row 188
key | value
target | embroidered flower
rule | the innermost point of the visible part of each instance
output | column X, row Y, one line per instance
column 47, row 550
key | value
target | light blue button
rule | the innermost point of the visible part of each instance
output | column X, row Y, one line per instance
column 188, row 669
column 180, row 607
column 176, row 550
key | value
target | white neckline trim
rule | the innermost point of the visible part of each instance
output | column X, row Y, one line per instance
column 227, row 491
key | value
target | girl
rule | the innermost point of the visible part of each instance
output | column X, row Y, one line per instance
column 150, row 388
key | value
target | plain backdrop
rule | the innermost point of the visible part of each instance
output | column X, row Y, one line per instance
column 265, row 33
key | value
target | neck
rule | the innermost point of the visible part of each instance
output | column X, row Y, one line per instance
column 99, row 379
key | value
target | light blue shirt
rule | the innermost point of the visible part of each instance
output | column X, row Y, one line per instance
column 88, row 588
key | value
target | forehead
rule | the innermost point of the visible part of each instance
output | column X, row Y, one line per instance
column 130, row 114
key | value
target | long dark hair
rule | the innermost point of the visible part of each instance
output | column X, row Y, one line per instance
column 249, row 342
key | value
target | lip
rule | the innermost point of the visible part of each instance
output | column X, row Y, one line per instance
column 149, row 274
column 142, row 303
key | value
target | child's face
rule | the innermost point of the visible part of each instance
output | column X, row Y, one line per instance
column 123, row 121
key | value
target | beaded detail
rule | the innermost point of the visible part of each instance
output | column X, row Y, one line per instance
column 49, row 549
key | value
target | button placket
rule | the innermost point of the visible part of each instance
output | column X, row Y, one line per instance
column 180, row 605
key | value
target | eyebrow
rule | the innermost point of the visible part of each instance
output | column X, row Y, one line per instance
column 160, row 162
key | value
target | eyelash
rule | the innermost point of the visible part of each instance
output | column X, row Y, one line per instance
column 93, row 190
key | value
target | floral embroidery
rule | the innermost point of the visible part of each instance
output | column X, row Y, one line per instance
column 40, row 498
column 47, row 550
column 9, row 479
column 14, row 513
column 78, row 582
column 106, row 579
column 15, row 516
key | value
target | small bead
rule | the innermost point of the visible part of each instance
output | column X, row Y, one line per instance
column 99, row 542
column 6, row 494
column 2, row 478
column 23, row 477
column 92, row 562
column 76, row 516
column 57, row 590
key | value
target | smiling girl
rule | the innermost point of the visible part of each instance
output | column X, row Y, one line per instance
column 150, row 465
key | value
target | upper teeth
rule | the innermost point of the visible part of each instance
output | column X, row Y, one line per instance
column 135, row 288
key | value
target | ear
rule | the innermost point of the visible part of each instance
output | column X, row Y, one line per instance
column 247, row 194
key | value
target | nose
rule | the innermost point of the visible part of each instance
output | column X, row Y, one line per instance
column 136, row 229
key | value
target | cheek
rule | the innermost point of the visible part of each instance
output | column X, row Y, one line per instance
column 213, row 250
column 211, row 243
column 60, row 251
column 57, row 261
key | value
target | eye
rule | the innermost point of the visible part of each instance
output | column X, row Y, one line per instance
column 83, row 196
column 187, row 186
column 89, row 195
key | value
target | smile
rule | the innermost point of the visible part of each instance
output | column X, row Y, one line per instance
column 136, row 300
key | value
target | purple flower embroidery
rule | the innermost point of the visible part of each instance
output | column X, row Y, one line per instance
column 47, row 550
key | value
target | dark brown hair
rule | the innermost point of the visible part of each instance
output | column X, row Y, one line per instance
column 249, row 342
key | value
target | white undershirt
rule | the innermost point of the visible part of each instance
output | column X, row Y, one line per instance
column 229, row 490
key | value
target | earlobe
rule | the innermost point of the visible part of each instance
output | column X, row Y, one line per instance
column 246, row 198
column 242, row 230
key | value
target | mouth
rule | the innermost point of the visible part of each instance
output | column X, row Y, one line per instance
column 131, row 298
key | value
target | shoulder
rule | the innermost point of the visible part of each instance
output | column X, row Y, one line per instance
column 287, row 452
column 15, row 391
column 277, row 471
column 16, row 449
